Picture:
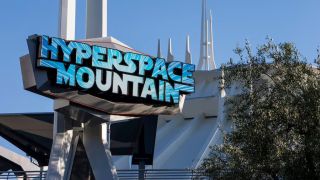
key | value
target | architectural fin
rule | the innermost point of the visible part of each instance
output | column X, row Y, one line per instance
column 159, row 49
column 188, row 53
column 170, row 56
column 96, row 18
column 203, row 39
column 67, row 19
column 212, row 64
column 206, row 55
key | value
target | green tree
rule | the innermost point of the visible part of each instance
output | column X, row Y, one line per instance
column 276, row 118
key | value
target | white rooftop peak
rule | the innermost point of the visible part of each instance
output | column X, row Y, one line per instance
column 206, row 60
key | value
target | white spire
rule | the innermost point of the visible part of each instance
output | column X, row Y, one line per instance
column 212, row 64
column 159, row 49
column 170, row 56
column 206, row 60
column 203, row 47
column 188, row 53
column 206, row 55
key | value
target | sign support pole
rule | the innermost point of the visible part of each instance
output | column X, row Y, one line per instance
column 141, row 170
column 70, row 135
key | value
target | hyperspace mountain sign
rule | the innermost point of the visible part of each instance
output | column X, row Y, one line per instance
column 114, row 80
column 110, row 72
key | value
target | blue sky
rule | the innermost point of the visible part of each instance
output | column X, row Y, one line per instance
column 139, row 23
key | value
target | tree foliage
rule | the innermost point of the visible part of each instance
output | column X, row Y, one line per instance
column 276, row 118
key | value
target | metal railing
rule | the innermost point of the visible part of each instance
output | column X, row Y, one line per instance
column 163, row 174
column 159, row 174
column 23, row 175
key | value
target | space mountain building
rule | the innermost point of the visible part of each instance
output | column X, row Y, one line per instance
column 179, row 141
column 184, row 140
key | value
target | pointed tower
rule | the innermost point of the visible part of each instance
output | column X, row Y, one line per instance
column 159, row 49
column 203, row 44
column 212, row 64
column 170, row 56
column 188, row 53
column 206, row 42
column 206, row 60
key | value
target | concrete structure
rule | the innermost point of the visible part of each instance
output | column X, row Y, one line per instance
column 182, row 140
column 16, row 163
column 18, row 159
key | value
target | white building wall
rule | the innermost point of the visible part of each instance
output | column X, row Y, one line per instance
column 184, row 140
